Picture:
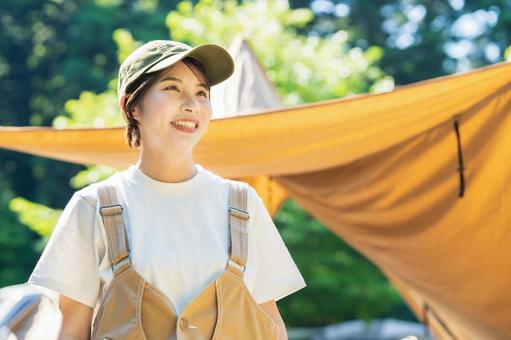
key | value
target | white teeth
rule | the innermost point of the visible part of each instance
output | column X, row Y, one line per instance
column 184, row 123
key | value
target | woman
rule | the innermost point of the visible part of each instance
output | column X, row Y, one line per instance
column 204, row 267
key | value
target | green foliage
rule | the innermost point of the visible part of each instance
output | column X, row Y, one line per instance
column 90, row 175
column 419, row 36
column 125, row 44
column 104, row 108
column 38, row 217
column 17, row 243
column 304, row 69
column 507, row 53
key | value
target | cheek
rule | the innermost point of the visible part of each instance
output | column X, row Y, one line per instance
column 154, row 105
column 159, row 98
column 207, row 109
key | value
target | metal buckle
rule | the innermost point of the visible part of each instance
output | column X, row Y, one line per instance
column 239, row 213
column 237, row 265
column 121, row 262
column 111, row 210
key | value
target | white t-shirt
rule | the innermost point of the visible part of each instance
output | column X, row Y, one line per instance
column 178, row 237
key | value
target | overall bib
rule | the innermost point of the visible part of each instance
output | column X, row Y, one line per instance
column 132, row 308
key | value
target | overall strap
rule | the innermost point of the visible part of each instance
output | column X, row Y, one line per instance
column 111, row 214
column 238, row 225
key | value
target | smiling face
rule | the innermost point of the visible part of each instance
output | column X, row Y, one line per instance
column 174, row 113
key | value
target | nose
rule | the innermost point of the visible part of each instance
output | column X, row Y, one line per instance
column 190, row 110
column 190, row 105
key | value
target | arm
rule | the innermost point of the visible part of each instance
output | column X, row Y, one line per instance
column 271, row 309
column 76, row 319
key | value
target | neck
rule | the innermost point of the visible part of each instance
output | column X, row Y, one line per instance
column 170, row 168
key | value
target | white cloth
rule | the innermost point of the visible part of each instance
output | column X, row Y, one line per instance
column 178, row 238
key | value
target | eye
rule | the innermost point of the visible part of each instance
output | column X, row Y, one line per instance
column 171, row 87
column 174, row 87
column 204, row 93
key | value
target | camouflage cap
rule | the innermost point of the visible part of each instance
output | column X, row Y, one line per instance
column 156, row 55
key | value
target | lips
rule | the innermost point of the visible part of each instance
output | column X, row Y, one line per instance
column 185, row 128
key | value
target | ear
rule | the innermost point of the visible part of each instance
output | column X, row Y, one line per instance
column 122, row 102
column 135, row 111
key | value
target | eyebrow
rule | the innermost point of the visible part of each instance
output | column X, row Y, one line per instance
column 180, row 81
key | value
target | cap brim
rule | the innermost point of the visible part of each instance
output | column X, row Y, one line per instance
column 217, row 61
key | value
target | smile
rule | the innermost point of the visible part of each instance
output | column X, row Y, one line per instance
column 185, row 125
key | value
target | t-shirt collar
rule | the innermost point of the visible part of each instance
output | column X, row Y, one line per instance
column 135, row 175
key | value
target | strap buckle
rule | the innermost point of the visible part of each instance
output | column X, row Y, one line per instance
column 239, row 213
column 116, row 209
column 120, row 263
column 237, row 265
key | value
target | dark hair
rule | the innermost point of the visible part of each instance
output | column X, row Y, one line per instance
column 136, row 91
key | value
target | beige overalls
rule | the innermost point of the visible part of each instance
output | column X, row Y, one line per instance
column 131, row 308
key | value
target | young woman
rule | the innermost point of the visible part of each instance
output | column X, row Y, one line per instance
column 196, row 259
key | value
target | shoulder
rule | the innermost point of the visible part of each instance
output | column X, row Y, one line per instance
column 253, row 198
column 215, row 179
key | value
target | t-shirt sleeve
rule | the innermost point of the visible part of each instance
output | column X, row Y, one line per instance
column 68, row 264
column 276, row 274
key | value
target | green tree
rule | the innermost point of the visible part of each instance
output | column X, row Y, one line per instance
column 421, row 39
column 18, row 244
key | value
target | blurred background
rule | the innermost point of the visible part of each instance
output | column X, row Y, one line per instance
column 58, row 67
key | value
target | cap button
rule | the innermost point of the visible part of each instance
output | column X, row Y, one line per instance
column 184, row 324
